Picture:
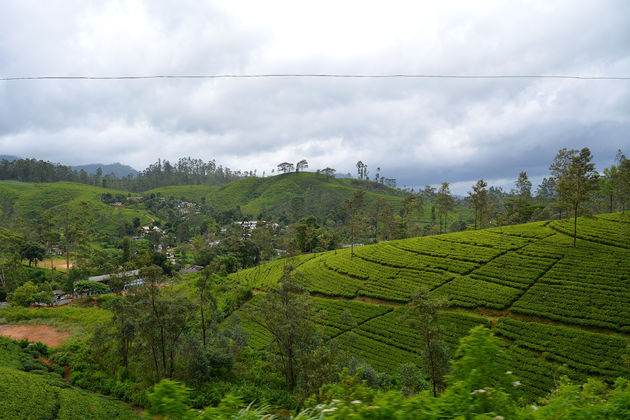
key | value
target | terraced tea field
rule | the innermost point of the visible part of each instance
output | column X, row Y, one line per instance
column 559, row 309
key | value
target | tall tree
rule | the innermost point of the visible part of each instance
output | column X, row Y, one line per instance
column 559, row 169
column 445, row 203
column 74, row 223
column 546, row 190
column 609, row 185
column 362, row 170
column 479, row 199
column 410, row 203
column 124, row 315
column 329, row 172
column 287, row 315
column 301, row 165
column 48, row 235
column 524, row 186
column 306, row 234
column 376, row 209
column 285, row 167
column 388, row 221
column 576, row 178
column 206, row 300
column 624, row 179
column 424, row 316
column 165, row 314
column 353, row 207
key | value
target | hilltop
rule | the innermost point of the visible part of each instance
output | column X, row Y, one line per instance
column 526, row 281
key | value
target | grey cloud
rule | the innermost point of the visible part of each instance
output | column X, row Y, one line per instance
column 421, row 131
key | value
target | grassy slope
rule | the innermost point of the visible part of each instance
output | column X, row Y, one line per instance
column 31, row 390
column 28, row 200
column 254, row 193
column 561, row 310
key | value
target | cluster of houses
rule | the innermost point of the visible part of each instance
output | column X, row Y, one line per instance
column 185, row 207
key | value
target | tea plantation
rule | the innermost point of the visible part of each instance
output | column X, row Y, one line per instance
column 561, row 310
column 31, row 389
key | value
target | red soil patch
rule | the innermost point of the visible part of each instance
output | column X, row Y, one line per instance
column 47, row 335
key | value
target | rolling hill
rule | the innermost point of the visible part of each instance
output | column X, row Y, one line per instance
column 313, row 194
column 28, row 200
column 560, row 309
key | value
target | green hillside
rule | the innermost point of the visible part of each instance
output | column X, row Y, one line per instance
column 253, row 194
column 28, row 200
column 313, row 194
column 31, row 389
column 560, row 309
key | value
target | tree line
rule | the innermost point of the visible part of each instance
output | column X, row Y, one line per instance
column 186, row 171
column 573, row 184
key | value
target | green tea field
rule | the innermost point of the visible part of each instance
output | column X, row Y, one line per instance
column 560, row 310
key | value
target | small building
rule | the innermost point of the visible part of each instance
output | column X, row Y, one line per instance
column 191, row 269
column 132, row 278
column 61, row 298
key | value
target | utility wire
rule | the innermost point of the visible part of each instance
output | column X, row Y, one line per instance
column 316, row 75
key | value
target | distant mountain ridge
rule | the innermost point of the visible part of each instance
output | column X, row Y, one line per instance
column 118, row 169
column 9, row 157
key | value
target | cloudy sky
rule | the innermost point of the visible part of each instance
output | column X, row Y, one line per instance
column 420, row 131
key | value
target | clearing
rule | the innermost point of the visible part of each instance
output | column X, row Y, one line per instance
column 44, row 333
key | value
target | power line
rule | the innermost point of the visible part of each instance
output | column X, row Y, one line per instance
column 316, row 75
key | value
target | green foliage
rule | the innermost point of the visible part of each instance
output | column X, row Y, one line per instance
column 29, row 293
column 88, row 318
column 286, row 314
column 593, row 400
column 480, row 388
column 169, row 400
column 479, row 361
column 29, row 200
column 30, row 396
column 32, row 252
column 88, row 287
column 576, row 178
column 531, row 269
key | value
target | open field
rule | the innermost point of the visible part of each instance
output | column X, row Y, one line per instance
column 50, row 336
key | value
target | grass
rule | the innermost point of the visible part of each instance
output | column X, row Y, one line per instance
column 64, row 316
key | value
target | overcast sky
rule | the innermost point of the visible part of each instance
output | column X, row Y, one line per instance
column 420, row 131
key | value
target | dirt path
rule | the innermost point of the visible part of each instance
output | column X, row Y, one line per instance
column 47, row 335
